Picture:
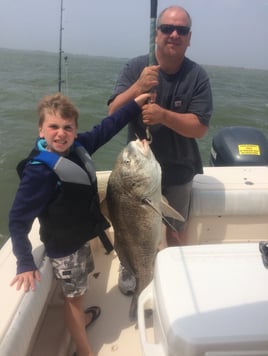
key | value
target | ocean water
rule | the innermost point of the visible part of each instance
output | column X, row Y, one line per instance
column 240, row 98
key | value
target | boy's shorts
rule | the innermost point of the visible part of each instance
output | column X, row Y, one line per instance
column 72, row 271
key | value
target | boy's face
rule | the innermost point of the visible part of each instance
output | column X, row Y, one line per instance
column 59, row 133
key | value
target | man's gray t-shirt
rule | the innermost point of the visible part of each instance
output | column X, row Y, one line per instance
column 188, row 90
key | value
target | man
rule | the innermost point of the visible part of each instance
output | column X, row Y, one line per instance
column 178, row 113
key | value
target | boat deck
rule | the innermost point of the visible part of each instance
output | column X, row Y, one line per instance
column 112, row 333
column 229, row 204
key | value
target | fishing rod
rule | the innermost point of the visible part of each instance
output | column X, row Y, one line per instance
column 153, row 16
column 60, row 80
column 60, row 47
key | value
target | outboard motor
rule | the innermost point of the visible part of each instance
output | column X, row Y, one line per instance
column 239, row 146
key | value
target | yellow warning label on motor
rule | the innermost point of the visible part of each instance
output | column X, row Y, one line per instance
column 249, row 150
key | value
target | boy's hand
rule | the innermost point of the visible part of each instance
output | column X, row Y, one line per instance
column 27, row 280
column 142, row 99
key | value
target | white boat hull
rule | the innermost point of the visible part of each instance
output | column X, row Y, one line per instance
column 228, row 205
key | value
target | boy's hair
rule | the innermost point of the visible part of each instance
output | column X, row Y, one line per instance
column 57, row 103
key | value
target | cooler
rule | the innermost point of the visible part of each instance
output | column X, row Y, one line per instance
column 207, row 300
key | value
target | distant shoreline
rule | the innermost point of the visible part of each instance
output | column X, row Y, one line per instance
column 118, row 58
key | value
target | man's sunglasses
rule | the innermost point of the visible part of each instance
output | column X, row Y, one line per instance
column 168, row 29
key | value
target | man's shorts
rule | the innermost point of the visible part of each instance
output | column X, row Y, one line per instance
column 179, row 197
column 72, row 271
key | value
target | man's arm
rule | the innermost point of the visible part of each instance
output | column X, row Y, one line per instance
column 147, row 80
column 185, row 124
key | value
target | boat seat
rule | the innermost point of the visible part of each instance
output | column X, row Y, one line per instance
column 20, row 312
column 232, row 191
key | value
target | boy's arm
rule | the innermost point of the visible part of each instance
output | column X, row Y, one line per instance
column 112, row 124
column 35, row 190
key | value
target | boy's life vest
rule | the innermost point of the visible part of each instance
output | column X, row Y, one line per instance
column 79, row 188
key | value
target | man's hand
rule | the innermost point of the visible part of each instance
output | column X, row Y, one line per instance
column 148, row 79
column 27, row 280
column 152, row 114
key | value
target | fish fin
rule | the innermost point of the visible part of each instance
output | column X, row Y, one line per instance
column 166, row 210
column 170, row 212
column 104, row 209
column 148, row 202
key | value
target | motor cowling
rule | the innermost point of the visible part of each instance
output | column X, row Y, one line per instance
column 239, row 146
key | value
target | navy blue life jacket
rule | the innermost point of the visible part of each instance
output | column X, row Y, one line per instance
column 74, row 216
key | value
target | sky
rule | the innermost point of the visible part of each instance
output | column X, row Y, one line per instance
column 224, row 32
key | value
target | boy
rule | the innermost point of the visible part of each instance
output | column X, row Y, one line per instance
column 59, row 187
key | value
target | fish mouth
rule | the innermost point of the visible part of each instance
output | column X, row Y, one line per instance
column 143, row 146
column 137, row 148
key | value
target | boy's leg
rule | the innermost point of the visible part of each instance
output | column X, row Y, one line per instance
column 72, row 272
column 75, row 322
